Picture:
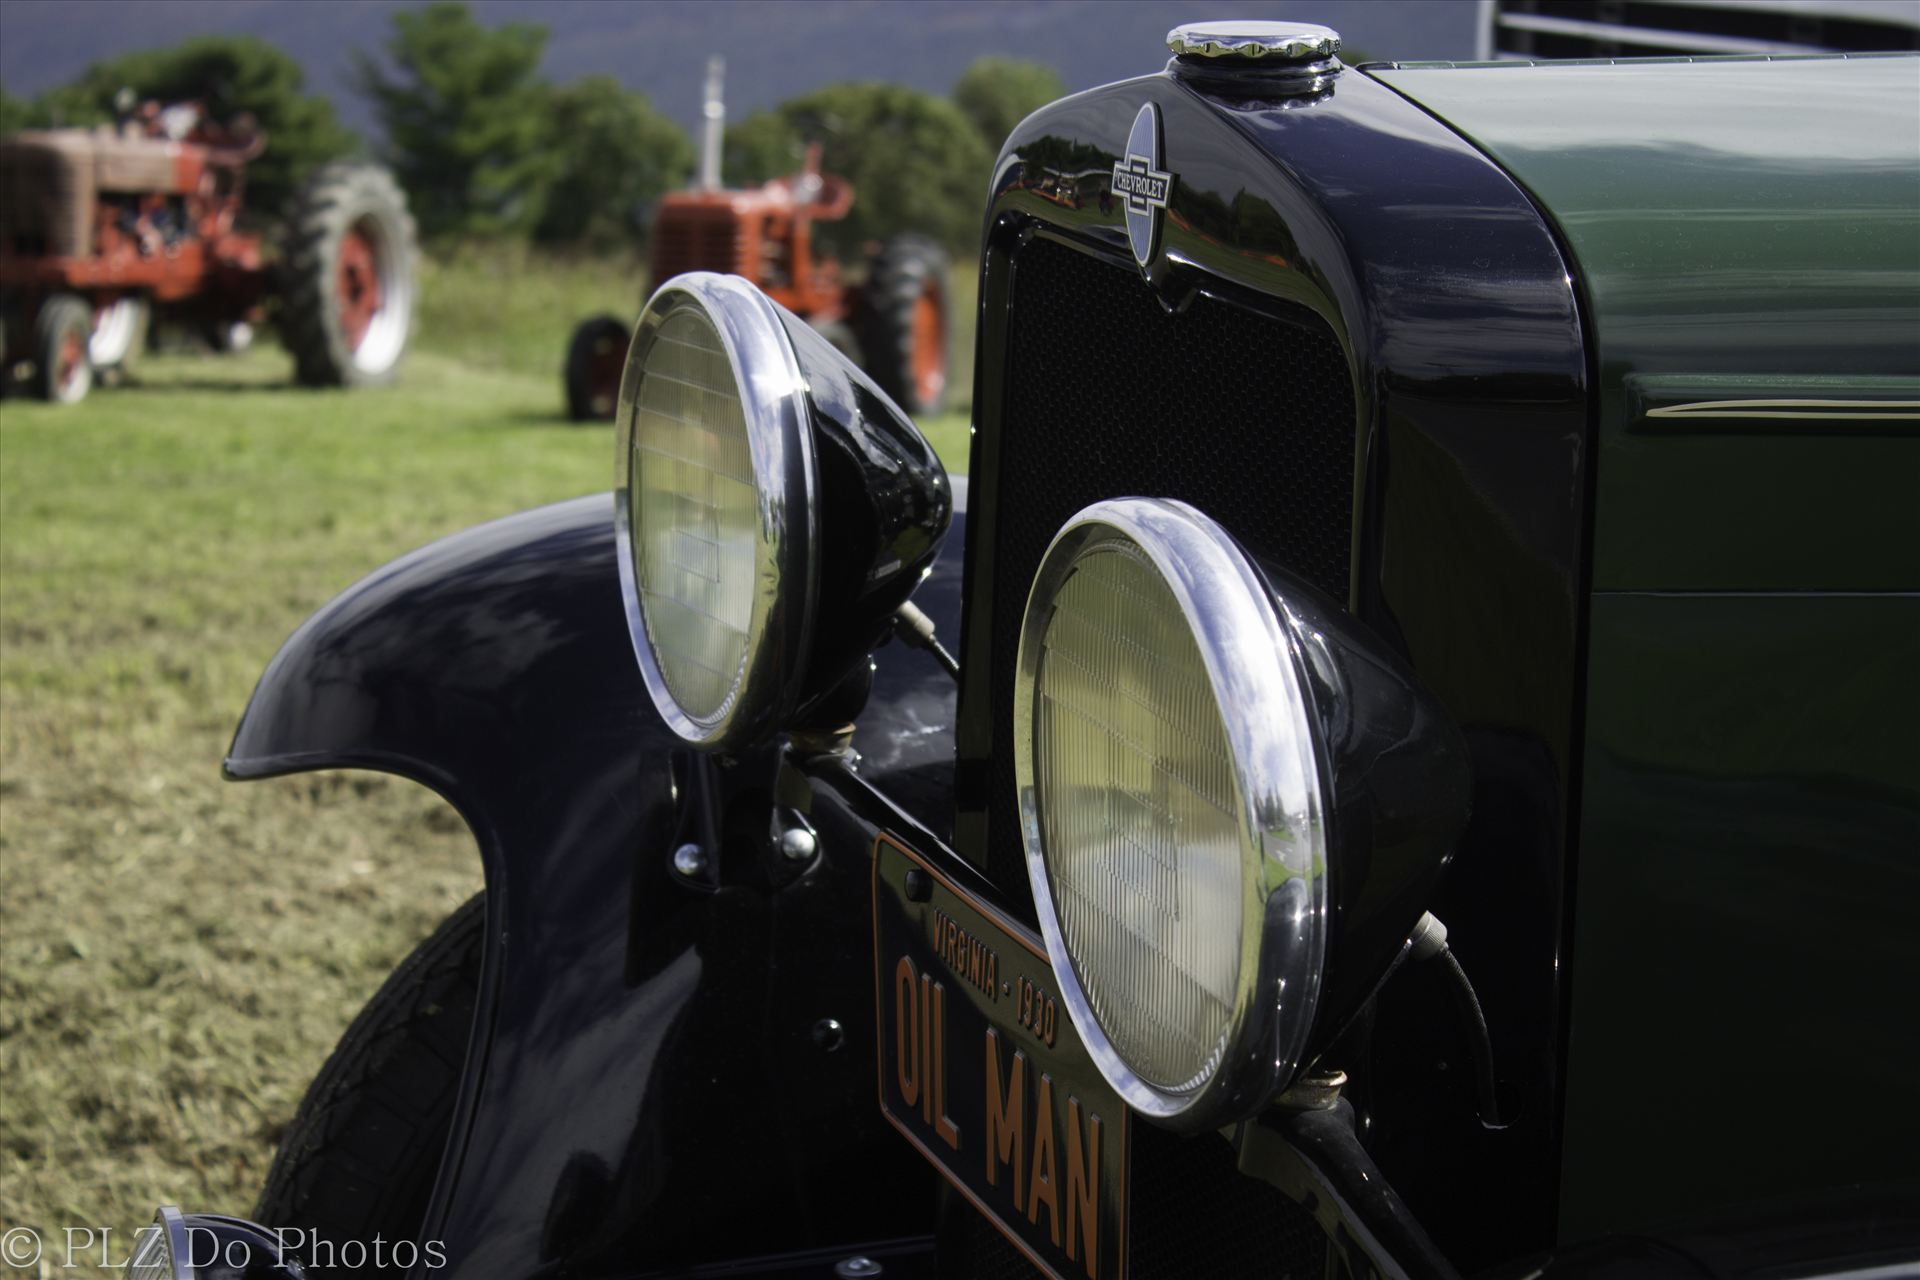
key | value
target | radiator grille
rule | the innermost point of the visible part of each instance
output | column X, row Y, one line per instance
column 700, row 240
column 1248, row 417
column 46, row 199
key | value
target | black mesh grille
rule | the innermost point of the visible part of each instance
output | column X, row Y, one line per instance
column 1247, row 417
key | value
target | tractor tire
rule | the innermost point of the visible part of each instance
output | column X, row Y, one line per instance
column 347, row 278
column 596, row 359
column 62, row 373
column 363, row 1151
column 229, row 337
column 119, row 338
column 904, row 328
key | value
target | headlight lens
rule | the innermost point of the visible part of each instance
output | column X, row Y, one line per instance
column 1139, row 829
column 1170, row 787
column 692, row 494
column 716, row 508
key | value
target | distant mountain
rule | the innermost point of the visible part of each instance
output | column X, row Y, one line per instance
column 774, row 50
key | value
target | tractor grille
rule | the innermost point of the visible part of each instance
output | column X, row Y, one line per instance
column 716, row 242
column 1248, row 417
column 46, row 196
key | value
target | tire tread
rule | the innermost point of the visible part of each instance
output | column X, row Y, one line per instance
column 363, row 1150
column 327, row 206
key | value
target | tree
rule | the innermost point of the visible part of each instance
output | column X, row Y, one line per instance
column 758, row 147
column 465, row 118
column 614, row 154
column 998, row 93
column 916, row 163
column 15, row 113
column 229, row 75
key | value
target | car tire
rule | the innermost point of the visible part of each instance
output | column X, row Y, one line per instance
column 364, row 1149
column 596, row 359
column 62, row 373
column 904, row 323
column 347, row 287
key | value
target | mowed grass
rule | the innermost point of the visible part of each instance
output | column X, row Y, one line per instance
column 178, row 954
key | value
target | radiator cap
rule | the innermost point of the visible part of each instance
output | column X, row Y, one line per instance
column 1275, row 43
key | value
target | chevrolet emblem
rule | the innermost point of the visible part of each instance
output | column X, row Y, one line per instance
column 1144, row 185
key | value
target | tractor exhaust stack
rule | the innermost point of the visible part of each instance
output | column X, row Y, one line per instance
column 715, row 112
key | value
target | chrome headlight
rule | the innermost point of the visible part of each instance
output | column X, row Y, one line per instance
column 1178, row 729
column 164, row 1250
column 1171, row 799
column 715, row 505
column 735, row 426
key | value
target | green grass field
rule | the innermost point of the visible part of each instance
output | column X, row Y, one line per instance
column 178, row 954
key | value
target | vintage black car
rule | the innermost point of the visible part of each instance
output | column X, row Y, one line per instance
column 1428, row 785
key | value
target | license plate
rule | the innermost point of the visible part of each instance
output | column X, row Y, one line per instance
column 981, row 1069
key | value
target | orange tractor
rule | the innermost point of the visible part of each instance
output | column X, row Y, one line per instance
column 894, row 325
column 101, row 228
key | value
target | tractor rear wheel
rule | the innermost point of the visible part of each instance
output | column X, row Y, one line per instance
column 346, row 305
column 119, row 336
column 61, row 329
column 903, row 330
column 596, row 358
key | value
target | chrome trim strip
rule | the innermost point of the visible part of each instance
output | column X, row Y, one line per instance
column 780, row 440
column 1891, row 1271
column 1848, row 410
column 1680, row 40
column 1253, row 665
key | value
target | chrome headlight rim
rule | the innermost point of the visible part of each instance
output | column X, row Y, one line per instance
column 1253, row 661
column 165, row 1250
column 773, row 400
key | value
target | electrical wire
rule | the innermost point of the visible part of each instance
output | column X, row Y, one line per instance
column 1479, row 1043
column 915, row 628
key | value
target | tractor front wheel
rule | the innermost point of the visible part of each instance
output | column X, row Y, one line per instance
column 119, row 336
column 346, row 305
column 229, row 337
column 596, row 358
column 903, row 328
column 63, row 373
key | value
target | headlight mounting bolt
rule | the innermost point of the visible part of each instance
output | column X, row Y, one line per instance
column 797, row 844
column 690, row 860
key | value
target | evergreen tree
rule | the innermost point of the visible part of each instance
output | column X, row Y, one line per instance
column 998, row 93
column 916, row 163
column 465, row 115
column 614, row 156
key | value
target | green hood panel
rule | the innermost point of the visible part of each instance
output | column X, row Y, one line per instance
column 1744, row 231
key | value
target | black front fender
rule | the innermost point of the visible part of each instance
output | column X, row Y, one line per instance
column 628, row 1089
column 492, row 666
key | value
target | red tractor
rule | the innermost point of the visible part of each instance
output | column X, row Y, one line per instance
column 894, row 325
column 100, row 228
